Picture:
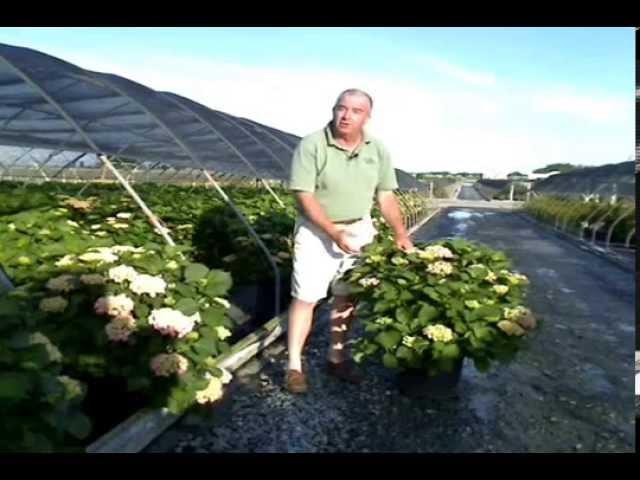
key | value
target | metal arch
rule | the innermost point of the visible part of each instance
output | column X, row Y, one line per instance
column 588, row 219
column 566, row 217
column 53, row 103
column 196, row 158
column 610, row 231
column 263, row 130
column 88, row 141
column 599, row 223
column 260, row 144
column 226, row 141
column 627, row 242
column 557, row 223
column 6, row 168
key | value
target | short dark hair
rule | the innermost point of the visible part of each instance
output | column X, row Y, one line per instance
column 355, row 91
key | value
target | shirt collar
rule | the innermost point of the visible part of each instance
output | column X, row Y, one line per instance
column 332, row 141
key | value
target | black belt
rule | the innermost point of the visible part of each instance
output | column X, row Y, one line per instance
column 347, row 222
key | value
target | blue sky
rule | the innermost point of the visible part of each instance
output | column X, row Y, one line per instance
column 483, row 99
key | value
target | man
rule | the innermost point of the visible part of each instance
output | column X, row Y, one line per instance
column 335, row 174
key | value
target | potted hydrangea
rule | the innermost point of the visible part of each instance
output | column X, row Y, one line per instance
column 425, row 311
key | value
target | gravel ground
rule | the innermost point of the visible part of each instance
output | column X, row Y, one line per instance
column 570, row 390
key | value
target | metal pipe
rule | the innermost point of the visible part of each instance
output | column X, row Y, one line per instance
column 589, row 217
column 598, row 224
column 152, row 218
column 227, row 142
column 257, row 238
column 627, row 242
column 197, row 159
column 610, row 231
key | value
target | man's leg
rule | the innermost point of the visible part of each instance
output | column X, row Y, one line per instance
column 300, row 319
column 342, row 316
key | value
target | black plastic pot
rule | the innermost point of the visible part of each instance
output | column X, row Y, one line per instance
column 258, row 300
column 418, row 384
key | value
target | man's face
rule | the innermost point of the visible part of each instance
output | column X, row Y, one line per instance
column 351, row 114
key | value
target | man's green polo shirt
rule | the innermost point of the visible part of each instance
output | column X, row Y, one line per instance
column 344, row 183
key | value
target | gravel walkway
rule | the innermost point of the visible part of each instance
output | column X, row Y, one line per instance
column 570, row 390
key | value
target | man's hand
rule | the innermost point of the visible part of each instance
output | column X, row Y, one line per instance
column 391, row 212
column 341, row 237
column 404, row 243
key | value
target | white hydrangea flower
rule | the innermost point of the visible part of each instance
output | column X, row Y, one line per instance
column 66, row 261
column 491, row 277
column 101, row 233
column 53, row 304
column 166, row 364
column 123, row 272
column 369, row 282
column 226, row 376
column 171, row 322
column 408, row 341
column 211, row 393
column 73, row 224
column 222, row 332
column 384, row 321
column 435, row 251
column 120, row 226
column 98, row 257
column 440, row 268
column 438, row 333
column 96, row 226
column 172, row 265
column 120, row 328
column 472, row 304
column 148, row 284
column 516, row 279
column 123, row 215
column 114, row 305
column 126, row 249
column 63, row 283
column 500, row 289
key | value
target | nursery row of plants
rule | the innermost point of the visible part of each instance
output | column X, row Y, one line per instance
column 581, row 217
column 106, row 318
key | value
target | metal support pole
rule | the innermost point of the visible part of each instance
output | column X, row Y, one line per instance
column 610, row 231
column 627, row 242
column 273, row 194
column 588, row 219
column 253, row 233
column 152, row 218
column 599, row 224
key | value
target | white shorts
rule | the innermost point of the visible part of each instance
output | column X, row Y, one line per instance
column 318, row 263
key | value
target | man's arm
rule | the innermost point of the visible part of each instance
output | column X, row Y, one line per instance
column 391, row 212
column 314, row 212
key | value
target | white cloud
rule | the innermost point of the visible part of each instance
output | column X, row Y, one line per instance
column 454, row 128
column 457, row 72
column 580, row 106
